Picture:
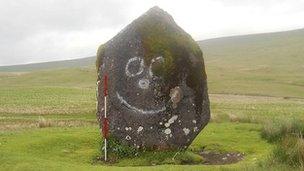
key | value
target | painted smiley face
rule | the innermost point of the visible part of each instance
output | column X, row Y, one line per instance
column 141, row 77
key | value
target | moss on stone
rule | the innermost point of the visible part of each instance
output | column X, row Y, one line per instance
column 120, row 150
column 162, row 37
column 100, row 54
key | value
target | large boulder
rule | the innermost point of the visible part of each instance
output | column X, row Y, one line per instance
column 157, row 84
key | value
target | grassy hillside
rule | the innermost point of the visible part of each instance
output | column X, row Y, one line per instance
column 261, row 64
column 47, row 111
column 83, row 62
column 269, row 64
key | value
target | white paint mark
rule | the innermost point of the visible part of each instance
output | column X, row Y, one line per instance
column 167, row 125
column 143, row 83
column 168, row 131
column 195, row 129
column 160, row 123
column 140, row 70
column 128, row 137
column 151, row 127
column 157, row 58
column 186, row 131
column 194, row 121
column 140, row 129
column 124, row 102
column 172, row 119
column 152, row 61
column 118, row 128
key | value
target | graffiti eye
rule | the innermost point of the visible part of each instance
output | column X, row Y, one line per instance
column 134, row 67
column 156, row 65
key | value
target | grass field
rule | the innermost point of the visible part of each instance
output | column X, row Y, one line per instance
column 47, row 117
column 263, row 64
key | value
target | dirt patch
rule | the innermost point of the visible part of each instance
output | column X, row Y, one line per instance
column 217, row 158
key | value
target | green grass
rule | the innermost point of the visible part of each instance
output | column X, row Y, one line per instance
column 253, row 80
column 290, row 151
column 287, row 135
column 257, row 109
column 48, row 92
column 76, row 147
column 263, row 64
column 277, row 130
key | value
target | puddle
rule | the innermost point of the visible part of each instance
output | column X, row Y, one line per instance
column 217, row 158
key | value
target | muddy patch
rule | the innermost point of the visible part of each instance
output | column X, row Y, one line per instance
column 217, row 158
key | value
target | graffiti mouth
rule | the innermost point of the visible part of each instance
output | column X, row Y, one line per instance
column 138, row 110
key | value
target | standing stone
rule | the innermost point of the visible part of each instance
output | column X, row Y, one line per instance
column 158, row 95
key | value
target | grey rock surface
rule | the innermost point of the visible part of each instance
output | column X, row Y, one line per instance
column 157, row 84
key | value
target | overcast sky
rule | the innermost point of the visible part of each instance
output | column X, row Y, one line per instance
column 47, row 30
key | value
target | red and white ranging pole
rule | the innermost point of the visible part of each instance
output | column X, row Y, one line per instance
column 105, row 128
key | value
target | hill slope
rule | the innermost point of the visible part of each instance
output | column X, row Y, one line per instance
column 48, row 118
column 269, row 64
column 50, row 65
column 259, row 64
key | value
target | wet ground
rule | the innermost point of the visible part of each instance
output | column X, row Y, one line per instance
column 220, row 158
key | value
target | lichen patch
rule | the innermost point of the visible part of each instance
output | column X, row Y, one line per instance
column 140, row 129
column 167, row 131
column 176, row 95
column 186, row 131
column 128, row 128
column 171, row 121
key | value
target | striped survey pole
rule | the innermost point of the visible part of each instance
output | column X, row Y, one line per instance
column 105, row 124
